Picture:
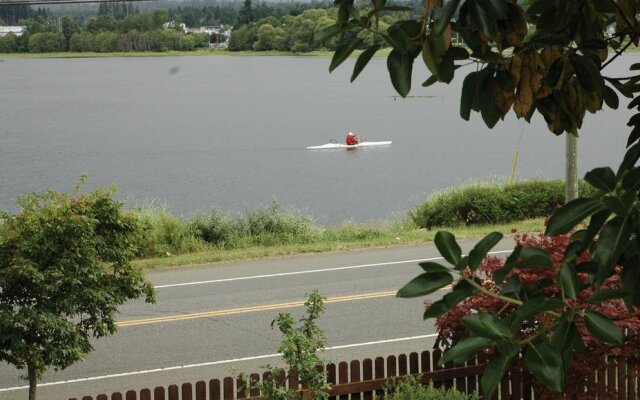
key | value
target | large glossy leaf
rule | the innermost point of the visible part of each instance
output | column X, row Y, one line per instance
column 612, row 241
column 486, row 325
column 400, row 66
column 630, row 159
column 555, row 72
column 496, row 8
column 570, row 215
column 587, row 72
column 566, row 337
column 447, row 12
column 607, row 294
column 468, row 92
column 532, row 308
column 342, row 52
column 481, row 19
column 480, row 250
column 509, row 264
column 601, row 178
column 610, row 98
column 493, row 374
column 435, row 310
column 488, row 109
column 429, row 266
column 547, row 365
column 447, row 246
column 363, row 60
column 425, row 283
column 603, row 328
column 465, row 349
column 568, row 280
column 533, row 257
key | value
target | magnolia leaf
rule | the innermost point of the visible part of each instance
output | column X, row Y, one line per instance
column 430, row 81
column 532, row 308
column 610, row 98
column 612, row 241
column 468, row 92
column 480, row 250
column 568, row 280
column 447, row 12
column 493, row 374
column 571, row 214
column 447, row 246
column 486, row 325
column 601, row 178
column 488, row 108
column 363, row 60
column 342, row 52
column 425, row 284
column 400, row 66
column 430, row 267
column 603, row 328
column 555, row 72
column 607, row 294
column 546, row 364
column 465, row 349
column 533, row 257
column 435, row 310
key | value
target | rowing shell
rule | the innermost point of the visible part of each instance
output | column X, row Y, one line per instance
column 346, row 146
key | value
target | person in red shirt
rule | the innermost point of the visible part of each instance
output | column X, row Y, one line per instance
column 352, row 139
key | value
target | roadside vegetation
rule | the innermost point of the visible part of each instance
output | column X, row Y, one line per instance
column 273, row 231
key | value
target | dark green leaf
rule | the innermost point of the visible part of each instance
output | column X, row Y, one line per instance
column 327, row 33
column 533, row 257
column 342, row 52
column 603, row 328
column 568, row 280
column 425, row 283
column 468, row 92
column 566, row 336
column 465, row 349
column 570, row 215
column 509, row 348
column 363, row 60
column 458, row 53
column 587, row 72
column 547, row 365
column 481, row 19
column 435, row 310
column 634, row 135
column 493, row 374
column 610, row 98
column 447, row 246
column 486, row 325
column 630, row 159
column 429, row 267
column 400, row 66
column 509, row 263
column 488, row 108
column 480, row 250
column 612, row 241
column 601, row 178
column 497, row 8
column 607, row 294
column 555, row 71
column 447, row 12
column 432, row 79
column 532, row 308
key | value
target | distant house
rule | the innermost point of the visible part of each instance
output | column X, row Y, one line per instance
column 173, row 24
column 16, row 30
column 219, row 35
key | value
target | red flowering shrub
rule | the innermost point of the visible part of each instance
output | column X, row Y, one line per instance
column 451, row 328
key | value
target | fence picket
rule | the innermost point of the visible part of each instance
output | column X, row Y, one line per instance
column 131, row 395
column 145, row 394
column 331, row 377
column 343, row 377
column 402, row 365
column 228, row 391
column 158, row 393
column 355, row 377
column 174, row 392
column 367, row 375
column 201, row 390
column 253, row 380
column 101, row 397
column 116, row 396
column 187, row 391
column 214, row 389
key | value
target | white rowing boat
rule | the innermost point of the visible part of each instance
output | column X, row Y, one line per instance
column 335, row 145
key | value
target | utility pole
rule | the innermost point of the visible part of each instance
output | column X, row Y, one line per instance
column 571, row 168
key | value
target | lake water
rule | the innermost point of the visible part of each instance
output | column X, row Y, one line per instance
column 198, row 133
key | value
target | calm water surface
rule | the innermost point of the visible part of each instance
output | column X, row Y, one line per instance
column 198, row 133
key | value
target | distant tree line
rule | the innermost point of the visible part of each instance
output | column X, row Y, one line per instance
column 123, row 27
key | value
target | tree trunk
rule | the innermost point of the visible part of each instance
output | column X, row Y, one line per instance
column 571, row 171
column 33, row 380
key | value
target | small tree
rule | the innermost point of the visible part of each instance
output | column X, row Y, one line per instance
column 298, row 348
column 64, row 269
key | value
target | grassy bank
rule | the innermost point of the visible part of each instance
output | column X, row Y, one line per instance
column 469, row 211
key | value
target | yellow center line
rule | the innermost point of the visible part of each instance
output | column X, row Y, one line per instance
column 243, row 310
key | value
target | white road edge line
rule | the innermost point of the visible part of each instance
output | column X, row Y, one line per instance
column 206, row 364
column 313, row 271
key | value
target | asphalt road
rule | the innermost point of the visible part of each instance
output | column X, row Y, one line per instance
column 210, row 319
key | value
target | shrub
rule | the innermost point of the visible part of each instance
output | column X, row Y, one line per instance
column 410, row 388
column 480, row 204
column 163, row 234
column 351, row 232
column 217, row 229
column 269, row 226
column 591, row 352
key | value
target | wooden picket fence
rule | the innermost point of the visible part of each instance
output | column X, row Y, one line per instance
column 366, row 379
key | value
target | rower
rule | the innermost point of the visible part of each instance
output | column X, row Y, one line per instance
column 352, row 139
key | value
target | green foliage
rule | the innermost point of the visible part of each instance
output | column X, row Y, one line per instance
column 299, row 347
column 410, row 388
column 64, row 269
column 482, row 204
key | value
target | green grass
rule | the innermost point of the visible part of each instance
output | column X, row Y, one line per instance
column 341, row 238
